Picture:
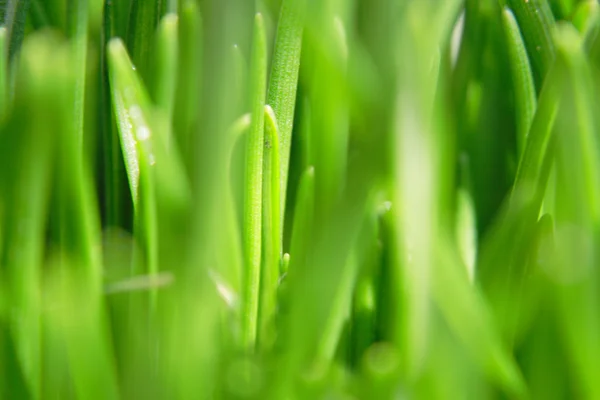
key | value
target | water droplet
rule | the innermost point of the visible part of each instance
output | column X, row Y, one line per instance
column 143, row 133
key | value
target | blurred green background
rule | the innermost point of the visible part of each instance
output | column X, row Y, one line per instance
column 299, row 199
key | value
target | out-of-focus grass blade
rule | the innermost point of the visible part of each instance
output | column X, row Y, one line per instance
column 283, row 82
column 254, row 186
column 329, row 107
column 187, row 96
column 466, row 231
column 27, row 152
column 303, row 217
column 14, row 14
column 76, row 315
column 77, row 29
column 464, row 310
column 271, row 224
column 577, row 213
column 3, row 73
column 586, row 16
column 536, row 22
column 525, row 95
column 506, row 247
column 165, row 66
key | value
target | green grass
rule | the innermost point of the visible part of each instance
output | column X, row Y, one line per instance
column 299, row 199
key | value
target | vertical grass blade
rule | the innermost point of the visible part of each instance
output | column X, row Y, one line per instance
column 3, row 72
column 14, row 15
column 77, row 27
column 525, row 95
column 536, row 22
column 283, row 82
column 254, row 186
column 272, row 239
column 165, row 66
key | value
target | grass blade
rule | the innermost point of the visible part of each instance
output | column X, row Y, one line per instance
column 283, row 82
column 253, row 186
column 272, row 238
column 536, row 22
column 525, row 95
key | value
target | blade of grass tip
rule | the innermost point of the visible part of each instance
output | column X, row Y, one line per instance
column 272, row 239
column 283, row 83
column 502, row 263
column 466, row 230
column 155, row 175
column 536, row 22
column 523, row 86
column 165, row 65
column 533, row 164
column 303, row 217
column 585, row 16
column 3, row 73
column 252, row 229
column 285, row 263
column 143, row 132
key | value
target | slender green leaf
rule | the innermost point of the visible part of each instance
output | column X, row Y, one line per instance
column 254, row 186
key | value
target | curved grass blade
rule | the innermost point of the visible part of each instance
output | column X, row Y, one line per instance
column 155, row 175
column 252, row 229
column 525, row 95
column 272, row 238
column 283, row 82
column 536, row 22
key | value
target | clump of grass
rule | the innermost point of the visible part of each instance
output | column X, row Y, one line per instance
column 299, row 199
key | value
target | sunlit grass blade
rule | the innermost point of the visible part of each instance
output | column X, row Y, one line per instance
column 283, row 82
column 272, row 238
column 254, row 186
column 525, row 94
